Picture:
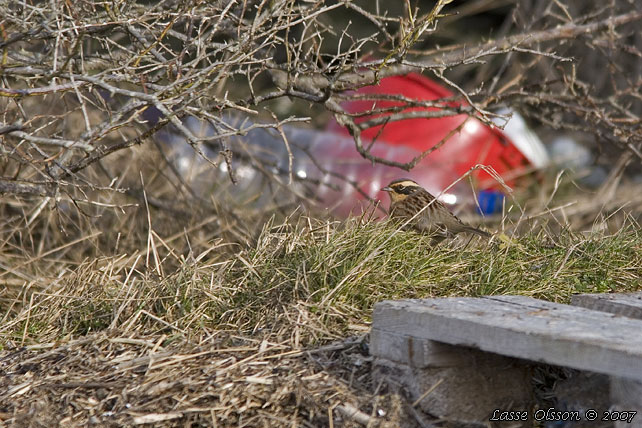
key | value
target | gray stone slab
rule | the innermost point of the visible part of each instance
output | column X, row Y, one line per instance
column 467, row 393
column 519, row 327
column 627, row 398
column 625, row 304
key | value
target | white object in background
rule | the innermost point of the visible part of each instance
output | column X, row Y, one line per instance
column 568, row 153
column 524, row 138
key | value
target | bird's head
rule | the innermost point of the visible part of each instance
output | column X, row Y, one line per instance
column 401, row 189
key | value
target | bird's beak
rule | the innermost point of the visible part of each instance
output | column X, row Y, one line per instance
column 386, row 189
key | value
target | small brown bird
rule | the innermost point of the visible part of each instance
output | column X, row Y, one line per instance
column 407, row 198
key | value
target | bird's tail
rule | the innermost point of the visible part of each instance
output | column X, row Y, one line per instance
column 476, row 231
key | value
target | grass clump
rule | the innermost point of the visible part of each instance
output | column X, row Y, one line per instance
column 318, row 280
column 349, row 267
column 227, row 337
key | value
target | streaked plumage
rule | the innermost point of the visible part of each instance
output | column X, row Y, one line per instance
column 407, row 198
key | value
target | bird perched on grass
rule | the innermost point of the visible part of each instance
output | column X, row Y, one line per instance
column 407, row 199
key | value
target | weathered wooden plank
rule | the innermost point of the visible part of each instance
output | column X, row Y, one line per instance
column 625, row 304
column 417, row 352
column 424, row 353
column 520, row 327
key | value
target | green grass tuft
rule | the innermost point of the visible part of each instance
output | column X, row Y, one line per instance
column 317, row 280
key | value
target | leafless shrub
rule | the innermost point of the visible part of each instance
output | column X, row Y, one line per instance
column 85, row 82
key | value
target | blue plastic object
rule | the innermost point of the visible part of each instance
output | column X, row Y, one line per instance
column 490, row 202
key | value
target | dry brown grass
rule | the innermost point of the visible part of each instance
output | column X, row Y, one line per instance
column 222, row 380
column 218, row 318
